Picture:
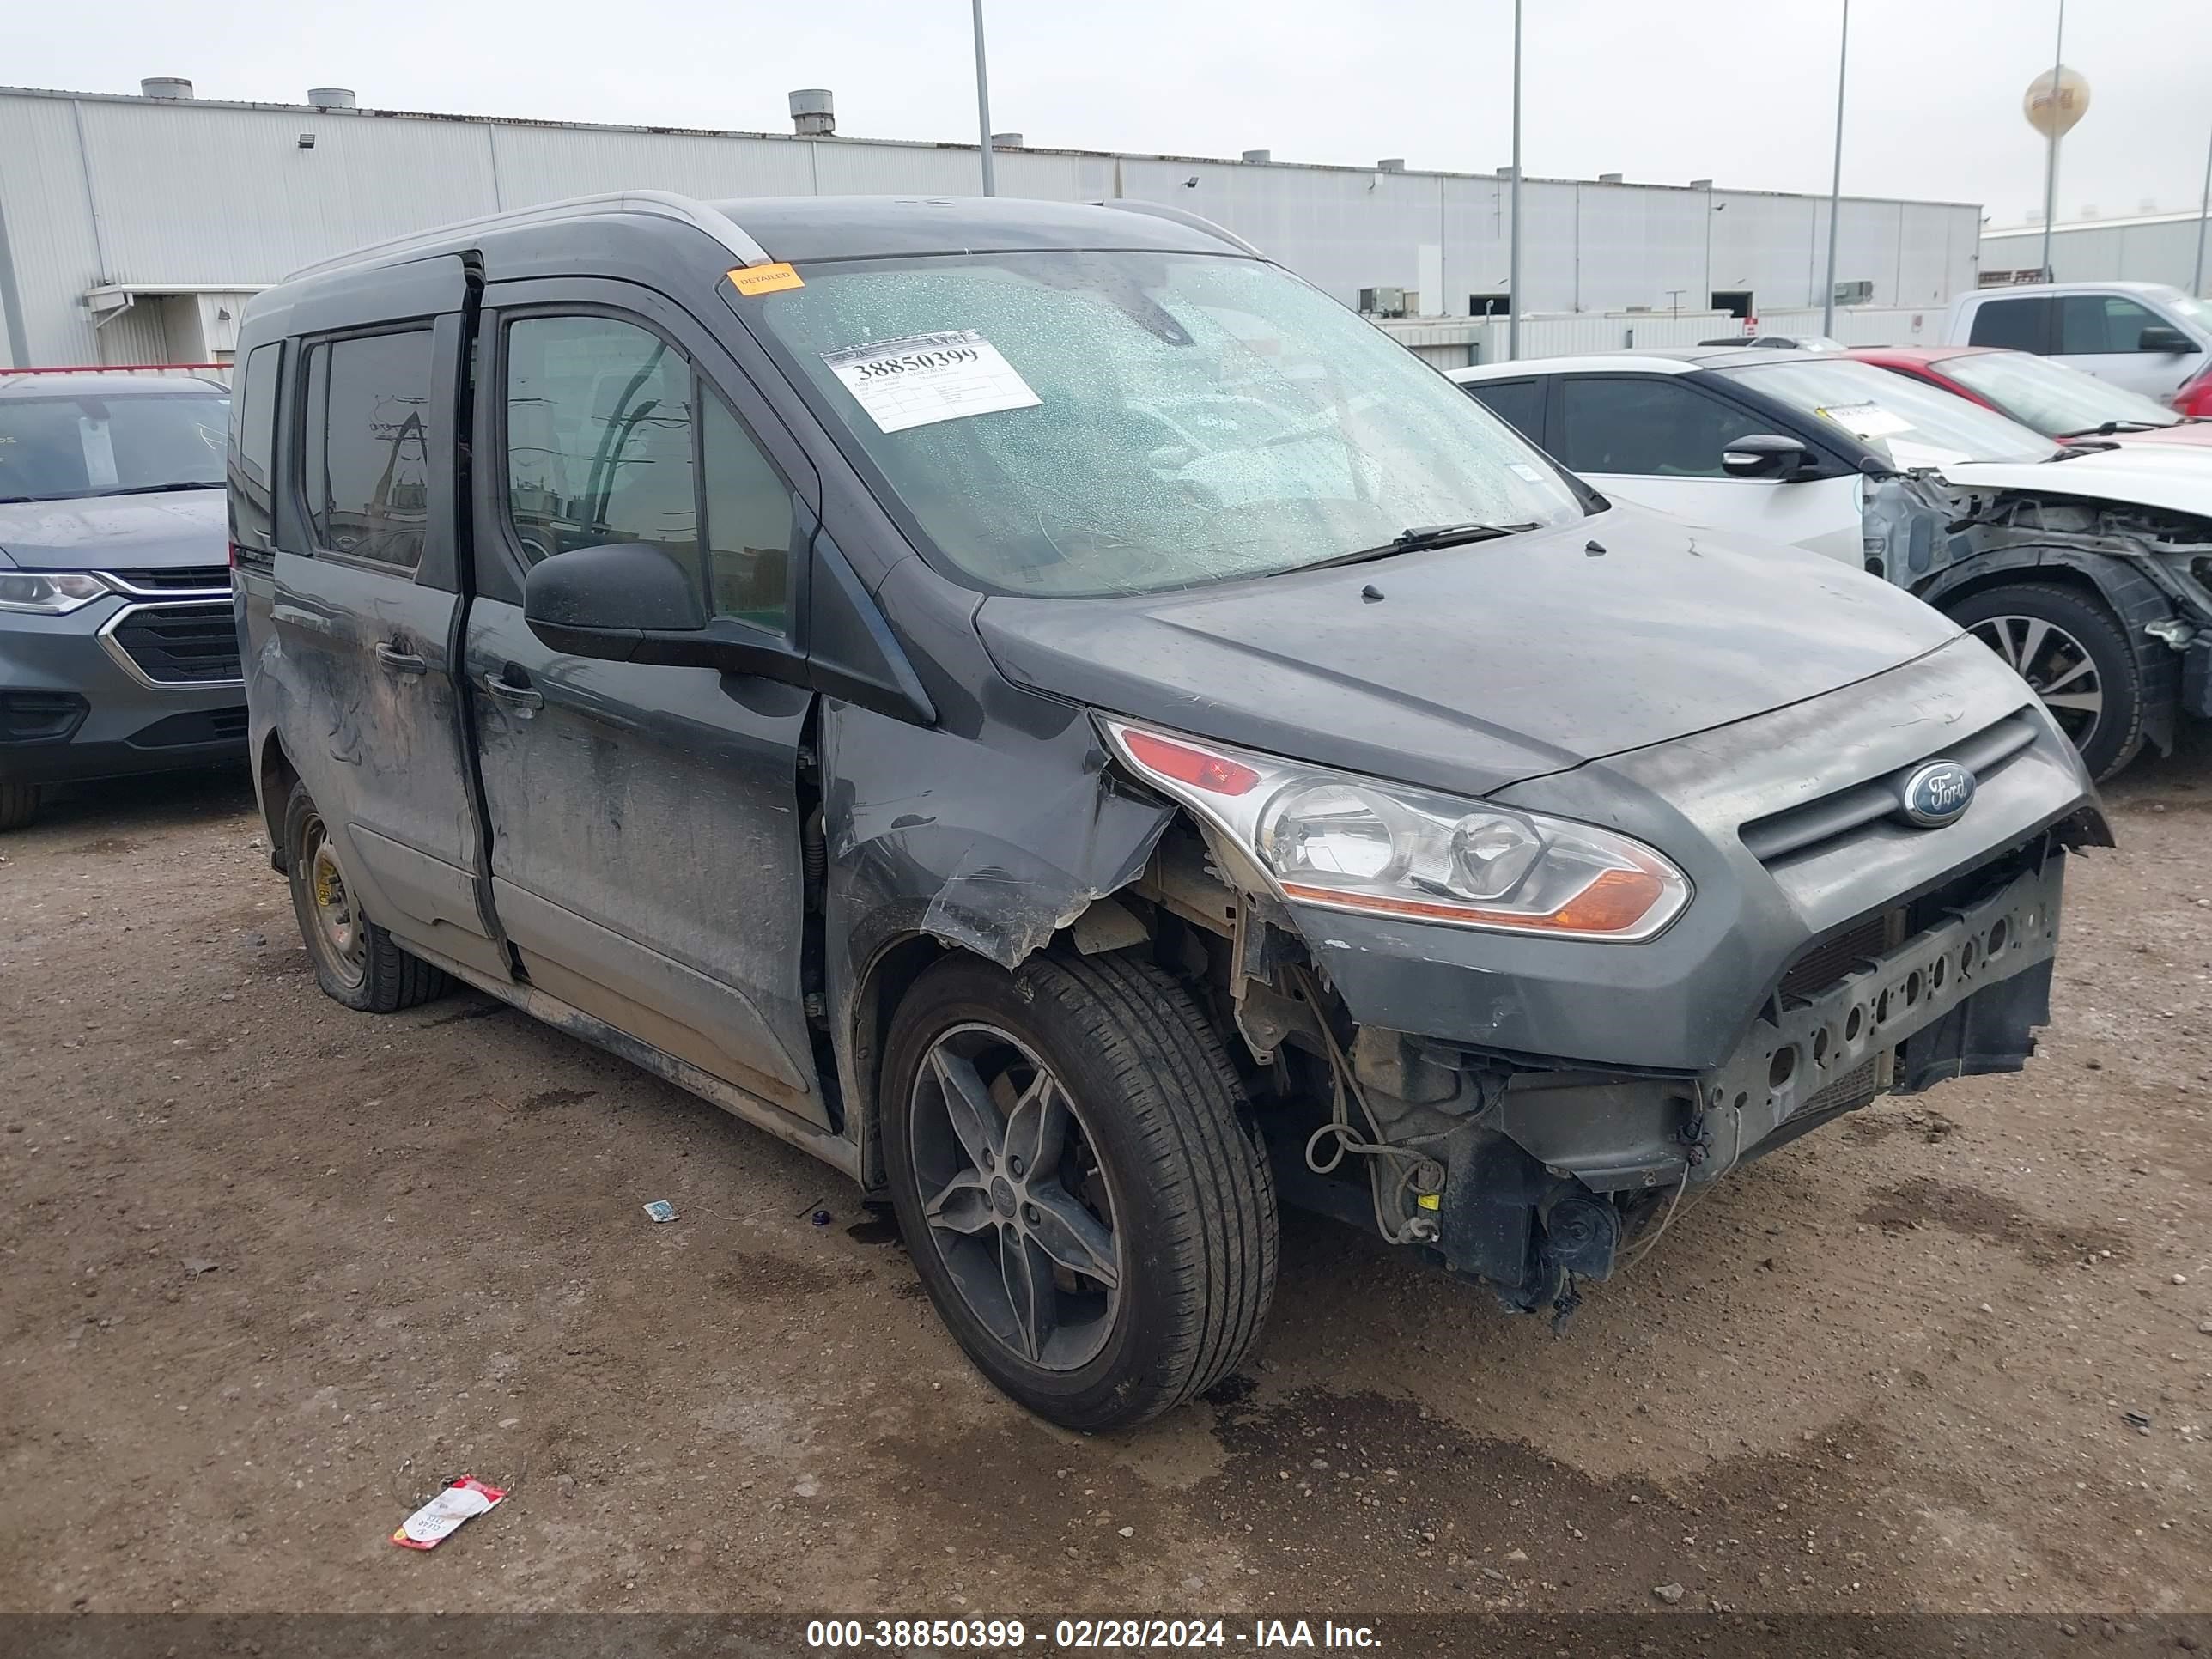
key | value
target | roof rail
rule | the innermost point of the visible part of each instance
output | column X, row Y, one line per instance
column 658, row 203
column 1183, row 216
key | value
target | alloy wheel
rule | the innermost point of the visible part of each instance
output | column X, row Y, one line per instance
column 1018, row 1210
column 2056, row 667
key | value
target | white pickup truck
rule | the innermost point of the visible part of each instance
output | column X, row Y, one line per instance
column 2146, row 336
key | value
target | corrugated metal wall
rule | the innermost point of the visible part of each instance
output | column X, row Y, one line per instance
column 2162, row 250
column 118, row 190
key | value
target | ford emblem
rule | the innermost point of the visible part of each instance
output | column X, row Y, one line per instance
column 1937, row 794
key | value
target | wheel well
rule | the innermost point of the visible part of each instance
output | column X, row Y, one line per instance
column 884, row 985
column 276, row 775
column 2041, row 575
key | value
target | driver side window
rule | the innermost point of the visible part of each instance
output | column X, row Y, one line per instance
column 1649, row 427
column 611, row 437
column 2094, row 324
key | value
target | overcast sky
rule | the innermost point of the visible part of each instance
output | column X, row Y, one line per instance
column 1739, row 91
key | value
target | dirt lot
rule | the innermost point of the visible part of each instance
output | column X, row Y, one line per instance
column 271, row 1268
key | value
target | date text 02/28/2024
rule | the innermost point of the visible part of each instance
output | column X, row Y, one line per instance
column 1007, row 1635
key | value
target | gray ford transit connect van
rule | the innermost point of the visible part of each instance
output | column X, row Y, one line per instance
column 1042, row 708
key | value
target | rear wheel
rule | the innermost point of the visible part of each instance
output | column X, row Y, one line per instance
column 2070, row 649
column 356, row 962
column 1077, row 1175
column 19, row 804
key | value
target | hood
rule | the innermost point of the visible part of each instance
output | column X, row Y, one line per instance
column 1480, row 665
column 118, row 532
column 2175, row 477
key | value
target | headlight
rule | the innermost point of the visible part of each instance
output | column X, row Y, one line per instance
column 1348, row 842
column 48, row 593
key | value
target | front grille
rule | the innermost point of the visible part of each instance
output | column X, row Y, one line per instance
column 1830, row 960
column 180, row 644
column 199, row 726
column 183, row 579
column 1816, row 824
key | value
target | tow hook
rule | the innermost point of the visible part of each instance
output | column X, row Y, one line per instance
column 1695, row 1135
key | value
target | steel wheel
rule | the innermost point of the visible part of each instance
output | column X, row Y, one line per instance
column 2056, row 666
column 1018, row 1209
column 336, row 920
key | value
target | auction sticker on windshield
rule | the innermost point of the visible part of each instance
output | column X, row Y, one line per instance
column 1866, row 420
column 926, row 378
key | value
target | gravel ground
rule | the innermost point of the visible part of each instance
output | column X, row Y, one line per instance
column 272, row 1269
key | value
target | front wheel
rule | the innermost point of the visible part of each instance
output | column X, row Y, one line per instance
column 1077, row 1177
column 2070, row 649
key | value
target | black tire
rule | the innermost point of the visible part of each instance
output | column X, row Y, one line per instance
column 1175, row 1144
column 2117, row 733
column 19, row 804
column 375, row 976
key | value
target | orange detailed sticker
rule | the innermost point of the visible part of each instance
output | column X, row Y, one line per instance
column 764, row 279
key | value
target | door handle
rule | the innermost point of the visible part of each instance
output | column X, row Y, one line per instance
column 396, row 659
column 519, row 696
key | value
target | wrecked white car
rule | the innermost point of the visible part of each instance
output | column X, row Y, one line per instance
column 2087, row 566
column 1043, row 710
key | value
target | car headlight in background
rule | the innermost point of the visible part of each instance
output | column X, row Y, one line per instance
column 1348, row 842
column 48, row 593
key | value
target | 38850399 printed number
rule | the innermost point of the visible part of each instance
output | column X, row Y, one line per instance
column 999, row 1635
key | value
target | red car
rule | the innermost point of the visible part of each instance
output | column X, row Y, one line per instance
column 2059, row 402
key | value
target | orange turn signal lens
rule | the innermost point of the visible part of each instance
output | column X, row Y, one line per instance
column 1614, row 902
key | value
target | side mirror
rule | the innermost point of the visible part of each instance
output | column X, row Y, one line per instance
column 2165, row 339
column 1765, row 455
column 631, row 602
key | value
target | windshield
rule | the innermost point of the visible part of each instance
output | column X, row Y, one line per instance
column 2194, row 310
column 1917, row 425
column 65, row 448
column 2051, row 396
column 1079, row 424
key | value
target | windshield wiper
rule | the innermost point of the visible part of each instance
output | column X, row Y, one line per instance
column 2110, row 426
column 156, row 489
column 1418, row 539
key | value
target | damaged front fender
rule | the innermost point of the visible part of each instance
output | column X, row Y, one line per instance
column 989, row 841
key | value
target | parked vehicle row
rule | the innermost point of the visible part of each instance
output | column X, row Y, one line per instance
column 1042, row 708
column 2041, row 394
column 2146, row 336
column 2087, row 565
column 118, row 652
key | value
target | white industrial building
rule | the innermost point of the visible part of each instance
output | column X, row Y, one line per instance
column 2145, row 247
column 131, row 228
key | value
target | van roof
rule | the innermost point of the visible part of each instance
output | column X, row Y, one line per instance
column 757, row 230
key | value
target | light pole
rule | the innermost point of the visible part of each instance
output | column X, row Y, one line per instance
column 1513, row 305
column 1836, row 180
column 2051, row 156
column 2203, row 212
column 983, row 103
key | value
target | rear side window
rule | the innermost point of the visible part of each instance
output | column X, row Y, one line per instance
column 611, row 437
column 1651, row 428
column 2090, row 322
column 1519, row 403
column 2014, row 325
column 370, row 433
column 253, row 444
